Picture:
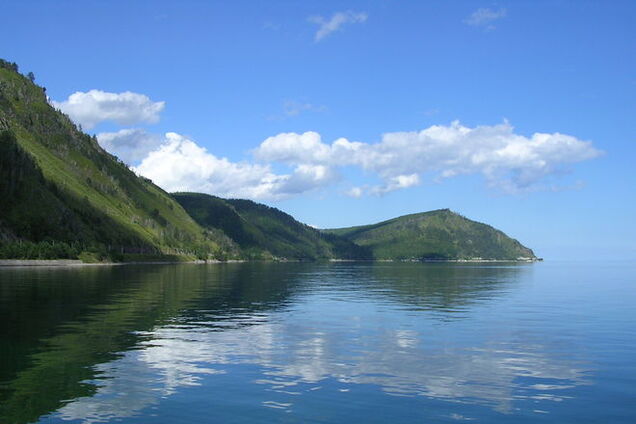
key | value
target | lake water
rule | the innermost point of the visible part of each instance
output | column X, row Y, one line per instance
column 319, row 343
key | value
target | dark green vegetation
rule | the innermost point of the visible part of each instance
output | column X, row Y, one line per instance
column 440, row 234
column 264, row 232
column 102, row 311
column 62, row 194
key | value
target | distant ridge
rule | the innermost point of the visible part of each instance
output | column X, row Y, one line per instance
column 263, row 232
column 435, row 235
column 63, row 197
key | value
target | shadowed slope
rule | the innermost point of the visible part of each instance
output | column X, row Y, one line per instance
column 262, row 231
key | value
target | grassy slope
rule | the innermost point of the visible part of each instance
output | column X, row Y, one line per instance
column 58, row 185
column 101, row 200
column 262, row 231
column 439, row 234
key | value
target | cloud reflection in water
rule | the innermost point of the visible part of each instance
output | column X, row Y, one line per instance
column 295, row 356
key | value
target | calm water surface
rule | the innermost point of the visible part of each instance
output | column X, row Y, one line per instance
column 323, row 343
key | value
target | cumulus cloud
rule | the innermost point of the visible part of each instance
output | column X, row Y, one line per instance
column 391, row 184
column 130, row 145
column 95, row 106
column 508, row 161
column 337, row 20
column 294, row 148
column 485, row 17
column 396, row 183
column 306, row 178
column 180, row 164
column 355, row 192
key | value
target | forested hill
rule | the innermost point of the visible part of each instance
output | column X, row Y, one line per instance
column 439, row 234
column 265, row 232
column 62, row 194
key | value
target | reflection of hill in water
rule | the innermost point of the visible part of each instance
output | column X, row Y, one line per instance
column 56, row 324
column 446, row 288
column 129, row 336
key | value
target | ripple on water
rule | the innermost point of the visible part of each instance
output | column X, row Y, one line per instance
column 318, row 343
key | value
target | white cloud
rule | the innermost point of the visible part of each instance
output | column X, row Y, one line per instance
column 95, row 106
column 337, row 20
column 294, row 148
column 484, row 18
column 305, row 178
column 293, row 108
column 356, row 192
column 130, row 145
column 396, row 183
column 179, row 164
column 391, row 184
column 508, row 161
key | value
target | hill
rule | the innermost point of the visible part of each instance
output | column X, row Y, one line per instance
column 64, row 196
column 439, row 234
column 265, row 232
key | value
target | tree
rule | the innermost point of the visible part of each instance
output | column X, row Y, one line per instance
column 31, row 76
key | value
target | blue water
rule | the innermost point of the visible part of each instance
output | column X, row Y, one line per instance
column 319, row 343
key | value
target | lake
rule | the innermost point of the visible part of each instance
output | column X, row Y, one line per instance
column 319, row 343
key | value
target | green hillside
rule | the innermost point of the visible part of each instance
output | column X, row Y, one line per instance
column 439, row 234
column 264, row 232
column 62, row 194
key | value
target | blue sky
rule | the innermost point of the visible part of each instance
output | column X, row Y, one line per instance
column 434, row 104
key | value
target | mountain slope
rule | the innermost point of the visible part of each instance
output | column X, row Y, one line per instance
column 61, row 190
column 439, row 234
column 63, row 196
column 262, row 231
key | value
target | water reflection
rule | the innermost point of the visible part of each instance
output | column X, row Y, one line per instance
column 293, row 328
column 69, row 320
column 447, row 289
column 294, row 363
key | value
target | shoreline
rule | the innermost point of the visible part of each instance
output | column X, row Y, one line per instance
column 8, row 263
